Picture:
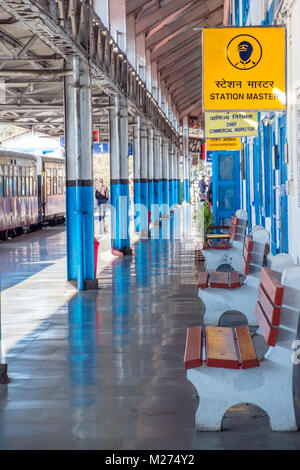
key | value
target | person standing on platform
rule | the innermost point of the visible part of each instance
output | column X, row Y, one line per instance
column 102, row 196
column 202, row 189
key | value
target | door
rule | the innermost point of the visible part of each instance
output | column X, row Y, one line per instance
column 283, row 201
column 274, row 179
column 226, row 185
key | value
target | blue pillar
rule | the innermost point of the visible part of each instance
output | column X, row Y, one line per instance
column 160, row 183
column 165, row 178
column 170, row 176
column 118, row 117
column 79, row 180
column 151, row 172
column 186, row 165
column 157, row 177
column 144, row 181
column 137, row 172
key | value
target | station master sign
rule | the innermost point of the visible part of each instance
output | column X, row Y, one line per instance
column 244, row 68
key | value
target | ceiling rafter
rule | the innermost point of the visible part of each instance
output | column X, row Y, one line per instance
column 149, row 21
column 180, row 64
column 133, row 5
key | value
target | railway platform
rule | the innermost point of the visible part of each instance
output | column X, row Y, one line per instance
column 103, row 369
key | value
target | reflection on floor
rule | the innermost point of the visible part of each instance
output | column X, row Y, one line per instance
column 105, row 370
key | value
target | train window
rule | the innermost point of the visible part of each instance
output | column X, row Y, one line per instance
column 27, row 186
column 5, row 181
column 48, row 185
column 15, row 186
column 23, row 185
column 59, row 185
column 48, row 181
column 30, row 186
column 60, row 182
column 19, row 186
column 10, row 182
column 54, row 181
column 1, row 181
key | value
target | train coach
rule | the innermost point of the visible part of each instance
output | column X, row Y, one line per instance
column 32, row 192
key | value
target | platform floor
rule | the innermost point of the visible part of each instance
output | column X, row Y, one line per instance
column 104, row 370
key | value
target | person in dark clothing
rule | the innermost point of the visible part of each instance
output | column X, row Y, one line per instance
column 202, row 188
column 102, row 196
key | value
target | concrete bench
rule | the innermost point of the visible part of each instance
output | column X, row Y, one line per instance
column 226, row 251
column 219, row 299
column 223, row 365
column 229, row 279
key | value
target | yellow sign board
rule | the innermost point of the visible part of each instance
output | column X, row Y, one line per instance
column 231, row 124
column 230, row 143
column 244, row 68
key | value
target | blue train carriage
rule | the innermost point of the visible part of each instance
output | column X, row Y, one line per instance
column 18, row 192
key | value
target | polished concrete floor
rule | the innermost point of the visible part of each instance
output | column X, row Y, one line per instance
column 104, row 369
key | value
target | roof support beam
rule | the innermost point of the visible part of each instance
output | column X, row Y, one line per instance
column 149, row 21
column 183, row 81
column 182, row 72
column 180, row 52
column 170, row 69
column 189, row 18
column 133, row 5
column 196, row 106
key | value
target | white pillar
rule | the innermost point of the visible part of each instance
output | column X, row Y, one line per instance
column 117, row 15
column 141, row 56
column 130, row 43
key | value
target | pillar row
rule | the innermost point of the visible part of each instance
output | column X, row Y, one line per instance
column 151, row 196
column 157, row 177
column 186, row 160
column 165, row 178
column 118, row 120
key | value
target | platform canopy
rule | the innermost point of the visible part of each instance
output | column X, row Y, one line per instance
column 173, row 31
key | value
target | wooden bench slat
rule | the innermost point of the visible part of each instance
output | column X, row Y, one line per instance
column 271, row 311
column 272, row 286
column 203, row 280
column 219, row 280
column 193, row 348
column 220, row 348
column 246, row 348
column 269, row 333
column 234, row 279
